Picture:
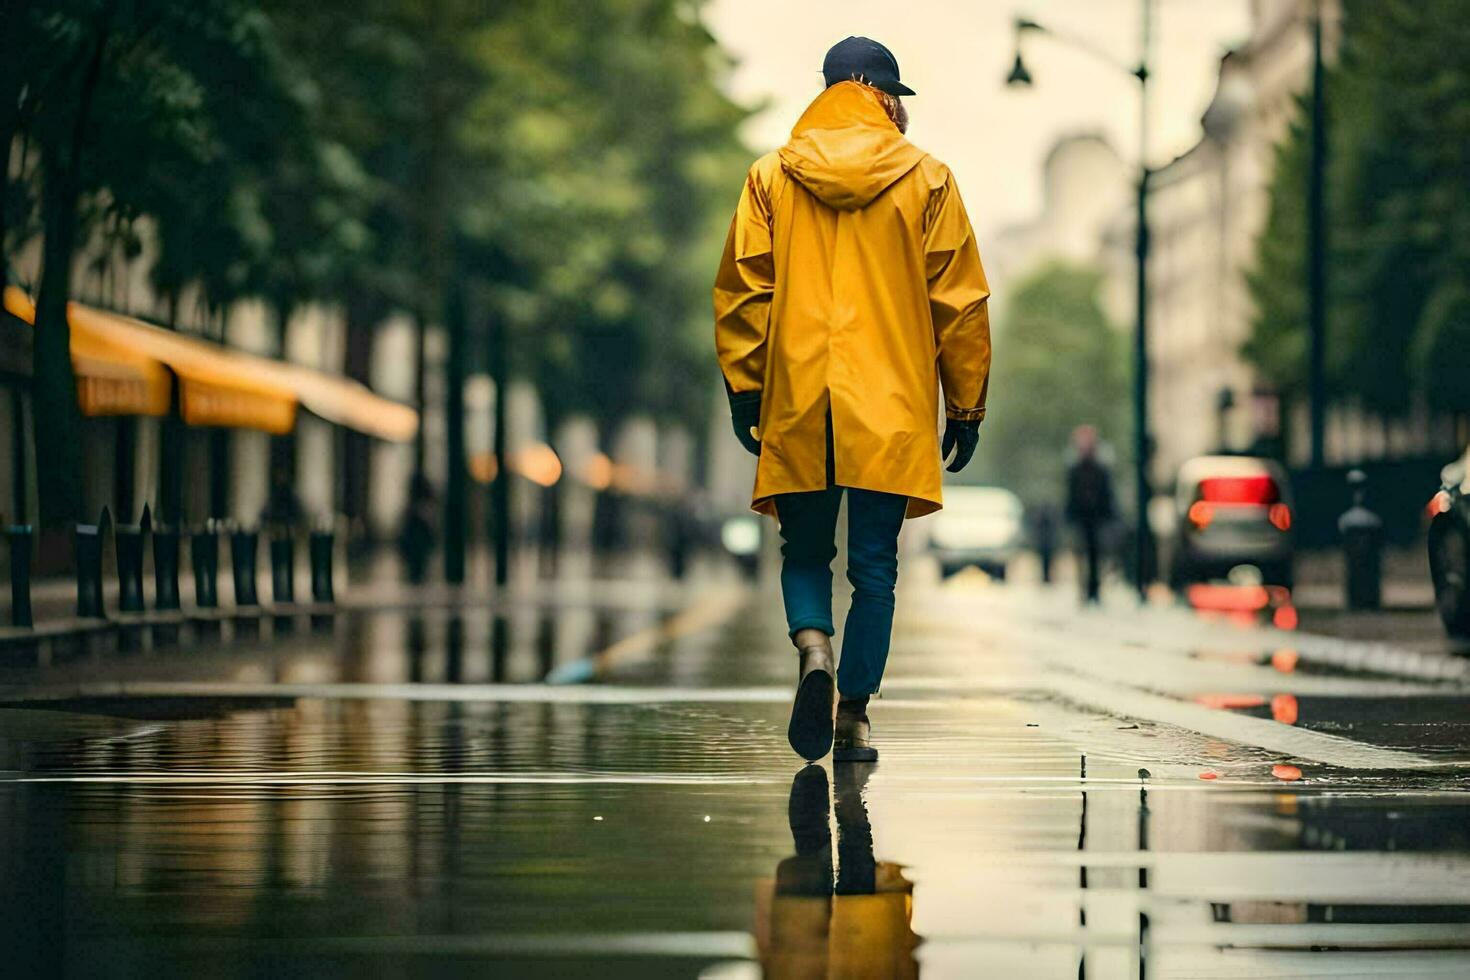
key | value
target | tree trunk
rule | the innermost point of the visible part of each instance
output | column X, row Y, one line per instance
column 499, row 363
column 56, row 422
column 420, row 390
column 355, row 466
column 7, row 140
column 171, row 444
column 455, row 509
column 284, row 506
column 19, row 500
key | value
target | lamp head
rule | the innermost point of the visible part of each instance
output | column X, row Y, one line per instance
column 1019, row 76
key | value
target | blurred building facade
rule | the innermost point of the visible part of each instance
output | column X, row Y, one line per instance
column 1207, row 209
column 562, row 476
column 1084, row 184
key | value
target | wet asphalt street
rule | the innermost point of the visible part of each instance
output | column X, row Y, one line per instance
column 595, row 782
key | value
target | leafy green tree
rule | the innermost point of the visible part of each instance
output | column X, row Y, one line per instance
column 1278, row 342
column 556, row 172
column 125, row 103
column 619, row 163
column 1398, row 216
column 1059, row 363
column 1441, row 355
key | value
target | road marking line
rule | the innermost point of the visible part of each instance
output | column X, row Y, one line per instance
column 1260, row 733
column 1082, row 679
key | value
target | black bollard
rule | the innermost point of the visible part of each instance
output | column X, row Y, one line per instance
column 283, row 568
column 204, row 556
column 1362, row 548
column 89, row 570
column 129, row 541
column 165, row 567
column 322, row 544
column 243, row 547
column 20, row 538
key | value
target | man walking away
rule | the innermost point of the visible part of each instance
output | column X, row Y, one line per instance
column 850, row 290
column 1089, row 504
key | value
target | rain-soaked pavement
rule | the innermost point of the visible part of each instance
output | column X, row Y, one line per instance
column 1061, row 793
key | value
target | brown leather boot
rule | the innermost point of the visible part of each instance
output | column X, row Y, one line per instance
column 810, row 730
column 851, row 738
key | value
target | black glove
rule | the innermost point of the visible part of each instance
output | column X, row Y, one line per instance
column 745, row 415
column 961, row 434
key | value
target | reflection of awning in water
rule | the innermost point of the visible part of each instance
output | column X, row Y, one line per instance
column 217, row 385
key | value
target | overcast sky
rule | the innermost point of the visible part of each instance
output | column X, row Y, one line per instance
column 955, row 54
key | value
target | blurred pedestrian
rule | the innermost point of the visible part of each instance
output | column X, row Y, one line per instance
column 849, row 274
column 1044, row 536
column 1090, row 505
column 419, row 532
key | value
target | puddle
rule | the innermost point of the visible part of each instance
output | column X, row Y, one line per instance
column 1436, row 726
column 672, row 838
column 606, row 829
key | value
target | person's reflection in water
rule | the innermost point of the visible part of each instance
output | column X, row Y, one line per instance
column 861, row 926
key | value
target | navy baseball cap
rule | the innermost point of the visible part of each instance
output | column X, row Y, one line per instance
column 863, row 56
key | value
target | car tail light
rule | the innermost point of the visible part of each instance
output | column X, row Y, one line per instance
column 1215, row 597
column 1260, row 490
column 1201, row 512
column 1280, row 515
column 1285, row 708
column 1440, row 503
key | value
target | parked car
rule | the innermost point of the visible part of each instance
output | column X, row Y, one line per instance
column 980, row 527
column 1449, row 546
column 1233, row 512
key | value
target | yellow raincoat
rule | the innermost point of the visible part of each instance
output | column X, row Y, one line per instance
column 851, row 280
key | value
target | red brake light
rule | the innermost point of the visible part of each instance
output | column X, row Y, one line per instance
column 1260, row 490
column 1439, row 504
column 1201, row 513
column 1280, row 515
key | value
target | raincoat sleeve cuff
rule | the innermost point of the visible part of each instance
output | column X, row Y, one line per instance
column 965, row 414
column 740, row 399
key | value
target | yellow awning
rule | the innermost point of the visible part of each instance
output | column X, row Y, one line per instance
column 348, row 403
column 217, row 380
column 217, row 385
column 111, row 380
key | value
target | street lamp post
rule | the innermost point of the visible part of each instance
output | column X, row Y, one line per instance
column 1020, row 75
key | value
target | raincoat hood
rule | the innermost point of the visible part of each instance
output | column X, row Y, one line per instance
column 845, row 149
column 849, row 290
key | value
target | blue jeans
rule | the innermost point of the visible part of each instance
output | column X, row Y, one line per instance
column 808, row 533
